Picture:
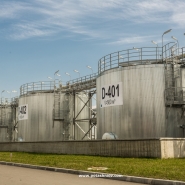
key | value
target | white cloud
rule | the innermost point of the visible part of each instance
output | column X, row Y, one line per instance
column 92, row 19
column 129, row 40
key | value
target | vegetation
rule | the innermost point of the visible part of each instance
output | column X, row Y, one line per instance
column 173, row 169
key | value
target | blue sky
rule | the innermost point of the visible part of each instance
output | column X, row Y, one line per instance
column 38, row 37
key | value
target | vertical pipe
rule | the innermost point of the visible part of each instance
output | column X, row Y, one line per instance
column 74, row 115
column 89, row 112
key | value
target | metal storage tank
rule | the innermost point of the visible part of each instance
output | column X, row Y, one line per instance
column 131, row 99
column 48, row 113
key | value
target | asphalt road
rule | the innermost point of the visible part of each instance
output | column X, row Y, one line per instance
column 11, row 175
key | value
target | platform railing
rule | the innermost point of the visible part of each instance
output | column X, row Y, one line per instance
column 38, row 86
column 5, row 101
column 137, row 56
column 129, row 57
column 87, row 78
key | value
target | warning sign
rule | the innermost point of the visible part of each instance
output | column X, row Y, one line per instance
column 23, row 112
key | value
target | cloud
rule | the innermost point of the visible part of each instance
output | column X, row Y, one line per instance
column 96, row 19
column 129, row 40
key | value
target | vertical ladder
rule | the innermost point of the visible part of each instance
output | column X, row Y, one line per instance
column 56, row 108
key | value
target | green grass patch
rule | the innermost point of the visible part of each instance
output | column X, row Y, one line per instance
column 172, row 169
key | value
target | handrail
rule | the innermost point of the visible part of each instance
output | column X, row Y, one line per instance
column 135, row 56
column 86, row 78
column 37, row 86
column 44, row 86
column 129, row 57
column 5, row 101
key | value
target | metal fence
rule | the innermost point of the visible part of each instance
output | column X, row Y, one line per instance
column 87, row 78
column 5, row 101
column 44, row 86
column 37, row 87
column 137, row 56
column 130, row 57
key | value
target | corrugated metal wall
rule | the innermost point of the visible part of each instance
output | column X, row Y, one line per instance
column 142, row 114
column 40, row 126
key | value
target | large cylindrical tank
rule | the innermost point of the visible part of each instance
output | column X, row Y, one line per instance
column 141, row 114
column 50, row 117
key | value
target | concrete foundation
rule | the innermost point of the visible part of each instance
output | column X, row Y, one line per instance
column 157, row 148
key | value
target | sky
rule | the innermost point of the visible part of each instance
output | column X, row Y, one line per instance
column 39, row 37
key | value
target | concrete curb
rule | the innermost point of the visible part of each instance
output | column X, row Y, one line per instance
column 98, row 174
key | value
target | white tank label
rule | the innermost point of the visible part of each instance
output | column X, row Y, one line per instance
column 111, row 95
column 23, row 112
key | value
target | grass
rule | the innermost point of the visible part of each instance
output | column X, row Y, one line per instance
column 172, row 169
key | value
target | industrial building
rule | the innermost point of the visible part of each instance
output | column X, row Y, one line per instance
column 139, row 95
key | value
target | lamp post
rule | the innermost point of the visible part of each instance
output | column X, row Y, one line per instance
column 90, row 68
column 77, row 72
column 9, row 92
column 68, row 75
column 157, row 47
column 177, row 42
column 60, row 77
column 138, row 51
column 54, row 77
column 162, row 40
column 1, row 95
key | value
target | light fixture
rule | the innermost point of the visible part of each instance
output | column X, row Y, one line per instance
column 68, row 75
column 56, row 72
column 157, row 48
column 77, row 72
column 154, row 42
column 136, row 48
column 90, row 68
column 167, row 31
column 49, row 77
column 138, row 51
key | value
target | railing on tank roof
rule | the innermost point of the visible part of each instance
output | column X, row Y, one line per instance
column 5, row 101
column 38, row 87
column 135, row 56
column 83, row 79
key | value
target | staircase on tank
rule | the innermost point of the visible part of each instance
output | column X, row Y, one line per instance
column 174, row 92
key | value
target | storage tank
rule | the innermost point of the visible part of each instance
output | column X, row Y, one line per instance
column 131, row 98
column 46, row 113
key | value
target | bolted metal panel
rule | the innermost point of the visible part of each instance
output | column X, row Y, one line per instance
column 142, row 114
